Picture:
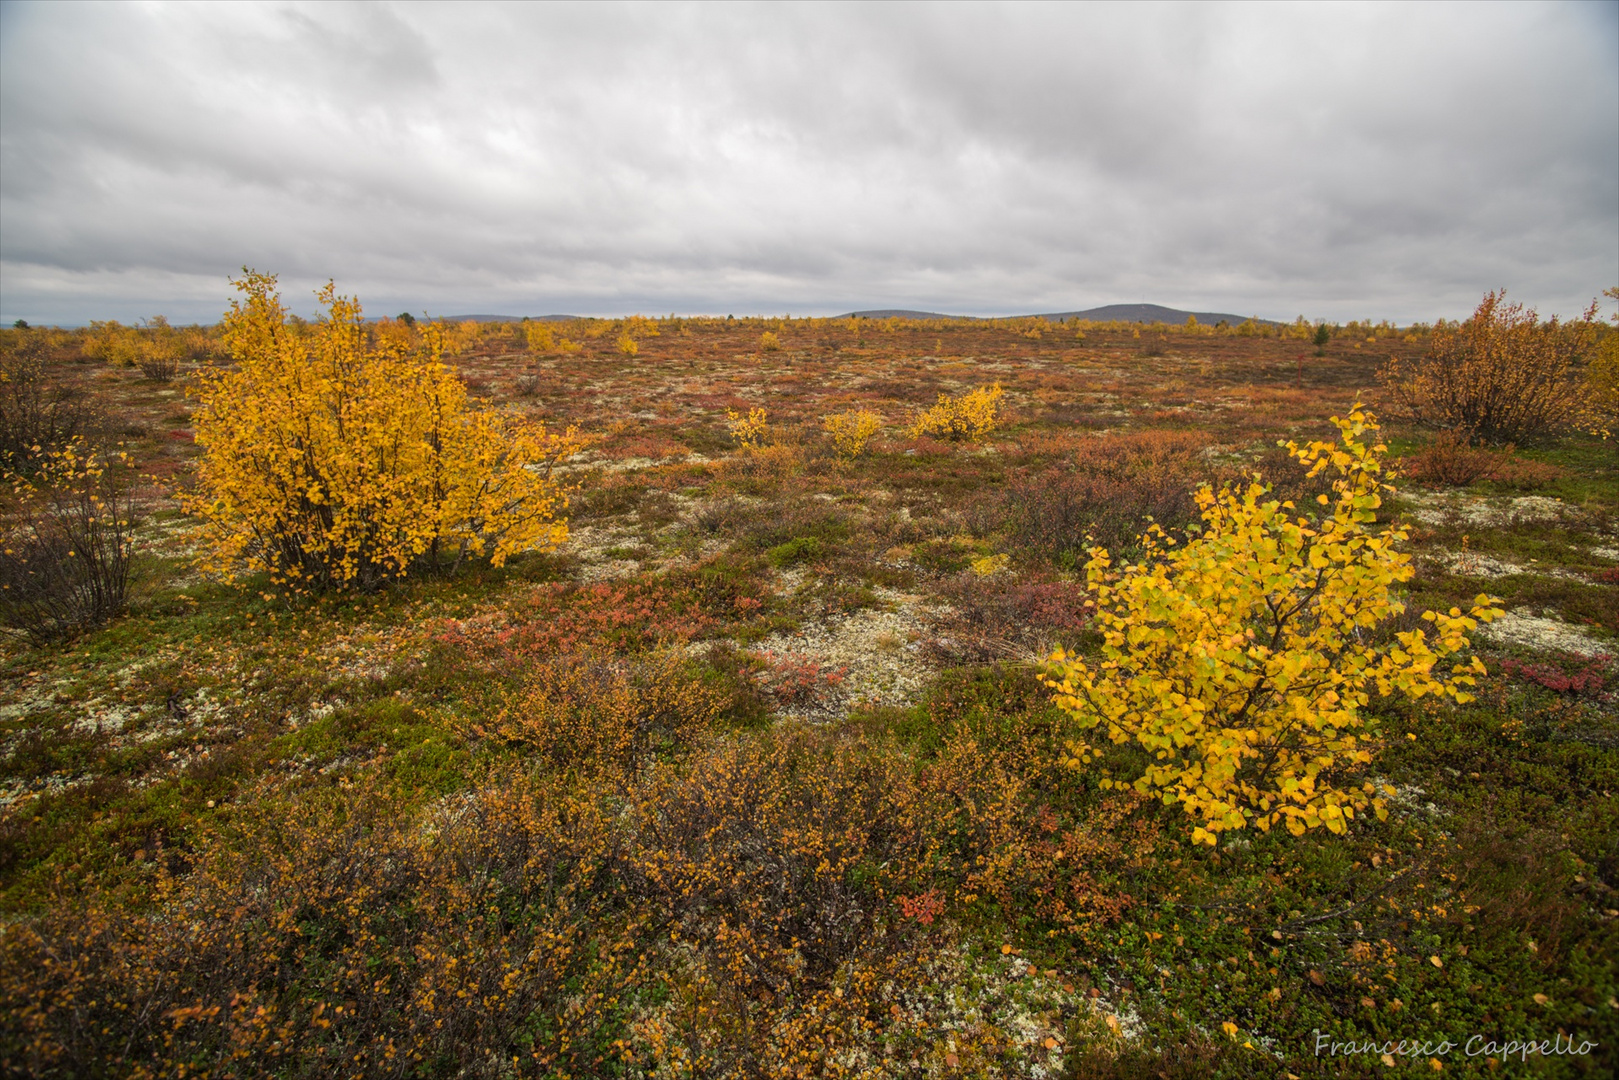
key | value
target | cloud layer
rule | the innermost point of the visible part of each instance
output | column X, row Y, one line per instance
column 1340, row 161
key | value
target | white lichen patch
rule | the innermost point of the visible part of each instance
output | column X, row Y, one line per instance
column 1547, row 635
column 590, row 544
column 1481, row 511
column 876, row 651
column 1474, row 564
column 956, row 1011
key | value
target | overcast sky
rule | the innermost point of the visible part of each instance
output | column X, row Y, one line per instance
column 1336, row 161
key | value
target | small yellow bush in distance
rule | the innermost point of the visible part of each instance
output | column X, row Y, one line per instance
column 971, row 416
column 749, row 431
column 769, row 342
column 1241, row 660
column 851, row 430
column 627, row 345
column 329, row 462
column 990, row 565
column 114, row 343
column 539, row 337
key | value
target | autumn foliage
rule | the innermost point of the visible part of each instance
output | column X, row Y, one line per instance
column 851, row 430
column 970, row 416
column 1502, row 376
column 331, row 460
column 1242, row 659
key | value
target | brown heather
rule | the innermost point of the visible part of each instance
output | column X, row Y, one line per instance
column 756, row 883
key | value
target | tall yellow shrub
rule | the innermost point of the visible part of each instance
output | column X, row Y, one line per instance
column 1242, row 659
column 970, row 416
column 1502, row 376
column 331, row 462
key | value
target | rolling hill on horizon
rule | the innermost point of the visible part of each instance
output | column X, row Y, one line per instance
column 1146, row 313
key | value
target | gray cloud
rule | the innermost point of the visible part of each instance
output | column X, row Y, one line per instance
column 1341, row 161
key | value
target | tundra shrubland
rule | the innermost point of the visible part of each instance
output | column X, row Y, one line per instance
column 753, row 774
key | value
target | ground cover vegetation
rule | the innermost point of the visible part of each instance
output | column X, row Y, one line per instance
column 744, row 752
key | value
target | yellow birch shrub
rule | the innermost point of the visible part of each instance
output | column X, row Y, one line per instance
column 749, row 431
column 970, row 416
column 462, row 337
column 329, row 461
column 1242, row 659
column 114, row 343
column 769, row 342
column 539, row 337
column 627, row 345
column 851, row 430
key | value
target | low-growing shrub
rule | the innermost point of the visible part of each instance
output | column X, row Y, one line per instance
column 1241, row 658
column 593, row 711
column 330, row 462
column 794, row 680
column 1450, row 461
column 995, row 618
column 745, row 909
column 37, row 415
column 797, row 550
column 1104, row 493
column 1572, row 675
column 851, row 430
column 66, row 542
column 769, row 342
column 748, row 431
column 970, row 416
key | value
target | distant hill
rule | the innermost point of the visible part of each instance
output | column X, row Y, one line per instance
column 899, row 313
column 1147, row 313
column 505, row 318
column 1151, row 313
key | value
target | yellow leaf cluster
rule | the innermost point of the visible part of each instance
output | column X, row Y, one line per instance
column 462, row 337
column 627, row 345
column 331, row 461
column 539, row 337
column 851, row 430
column 114, row 343
column 990, row 565
column 749, row 431
column 970, row 416
column 769, row 342
column 1242, row 659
